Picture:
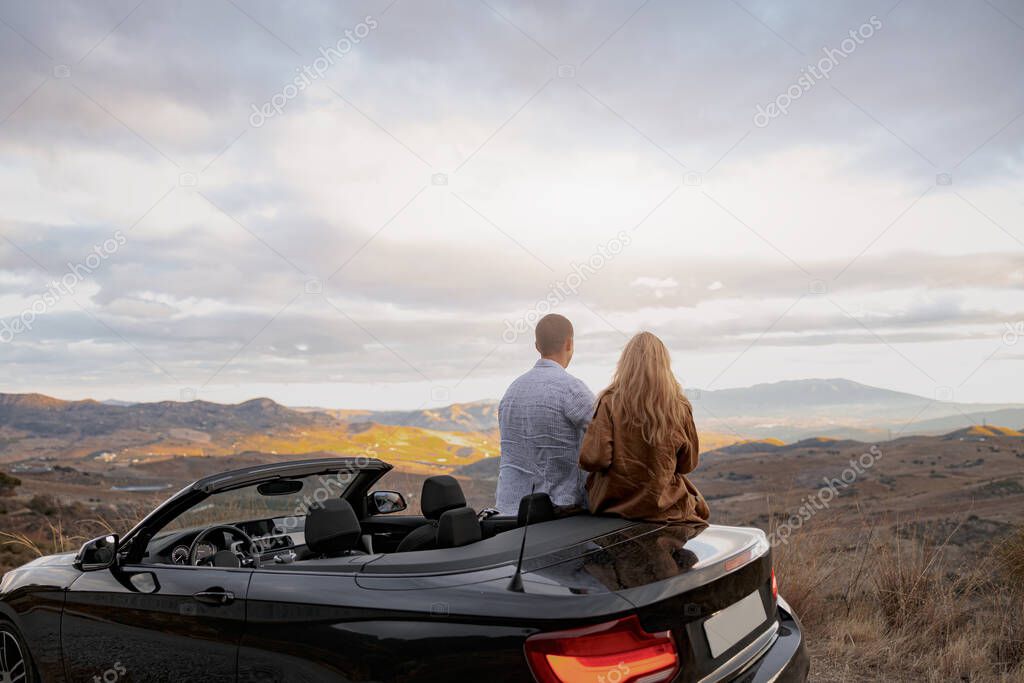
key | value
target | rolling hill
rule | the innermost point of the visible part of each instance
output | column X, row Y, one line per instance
column 44, row 416
column 36, row 427
column 837, row 408
column 982, row 432
column 478, row 416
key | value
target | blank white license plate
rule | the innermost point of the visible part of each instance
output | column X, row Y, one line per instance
column 729, row 626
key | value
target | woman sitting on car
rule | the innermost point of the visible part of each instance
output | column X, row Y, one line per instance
column 642, row 441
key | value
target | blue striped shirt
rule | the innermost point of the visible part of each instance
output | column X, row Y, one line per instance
column 542, row 418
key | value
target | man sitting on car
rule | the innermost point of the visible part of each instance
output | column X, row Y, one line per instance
column 543, row 417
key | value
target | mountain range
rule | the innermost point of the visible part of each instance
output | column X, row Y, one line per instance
column 788, row 410
column 34, row 425
column 838, row 408
column 37, row 429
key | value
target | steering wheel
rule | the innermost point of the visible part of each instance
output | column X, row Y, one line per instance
column 249, row 557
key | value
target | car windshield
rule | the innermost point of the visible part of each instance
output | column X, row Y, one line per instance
column 288, row 499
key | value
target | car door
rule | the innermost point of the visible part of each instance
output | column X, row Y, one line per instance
column 307, row 627
column 155, row 623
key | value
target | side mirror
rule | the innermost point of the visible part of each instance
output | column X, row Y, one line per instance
column 385, row 502
column 99, row 553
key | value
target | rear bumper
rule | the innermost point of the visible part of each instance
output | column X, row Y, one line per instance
column 786, row 660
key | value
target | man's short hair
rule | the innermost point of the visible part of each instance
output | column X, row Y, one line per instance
column 552, row 332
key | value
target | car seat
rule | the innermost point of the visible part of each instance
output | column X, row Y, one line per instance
column 440, row 494
column 332, row 530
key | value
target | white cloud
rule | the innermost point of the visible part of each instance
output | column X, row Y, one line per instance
column 828, row 204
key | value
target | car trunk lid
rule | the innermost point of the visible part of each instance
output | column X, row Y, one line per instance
column 711, row 587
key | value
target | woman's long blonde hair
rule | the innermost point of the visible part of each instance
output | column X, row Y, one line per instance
column 647, row 392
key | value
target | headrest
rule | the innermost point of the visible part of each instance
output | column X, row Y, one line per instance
column 538, row 506
column 457, row 528
column 332, row 527
column 440, row 494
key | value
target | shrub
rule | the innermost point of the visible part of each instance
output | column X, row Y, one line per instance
column 8, row 484
column 43, row 505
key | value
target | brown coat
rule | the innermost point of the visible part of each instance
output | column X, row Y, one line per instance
column 632, row 479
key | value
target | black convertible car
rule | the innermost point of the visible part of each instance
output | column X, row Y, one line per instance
column 301, row 572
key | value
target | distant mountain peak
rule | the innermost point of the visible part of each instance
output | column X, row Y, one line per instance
column 261, row 402
column 31, row 401
column 477, row 416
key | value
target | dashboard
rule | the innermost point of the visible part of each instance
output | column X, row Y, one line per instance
column 269, row 535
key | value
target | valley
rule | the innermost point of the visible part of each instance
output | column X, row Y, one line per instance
column 87, row 459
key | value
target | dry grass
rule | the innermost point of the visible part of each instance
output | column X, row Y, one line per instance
column 58, row 529
column 880, row 606
column 51, row 539
column 1010, row 557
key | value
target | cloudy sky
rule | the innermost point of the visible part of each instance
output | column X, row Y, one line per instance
column 366, row 204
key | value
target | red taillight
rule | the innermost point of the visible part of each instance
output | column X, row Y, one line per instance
column 616, row 652
column 775, row 586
